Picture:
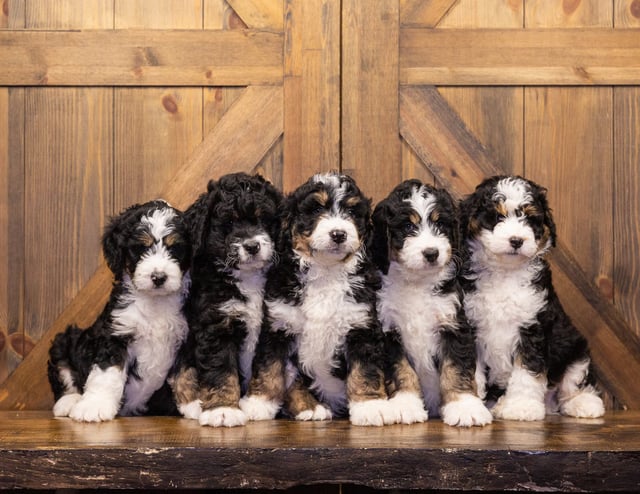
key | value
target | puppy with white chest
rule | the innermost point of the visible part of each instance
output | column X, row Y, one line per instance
column 527, row 346
column 233, row 226
column 117, row 364
column 321, row 352
column 415, row 246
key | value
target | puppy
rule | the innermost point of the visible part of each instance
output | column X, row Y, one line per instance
column 526, row 343
column 321, row 349
column 233, row 226
column 118, row 363
column 415, row 247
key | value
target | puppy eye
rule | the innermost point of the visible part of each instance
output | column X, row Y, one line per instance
column 408, row 227
column 137, row 249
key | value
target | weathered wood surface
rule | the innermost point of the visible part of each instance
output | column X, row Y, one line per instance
column 560, row 453
column 156, row 57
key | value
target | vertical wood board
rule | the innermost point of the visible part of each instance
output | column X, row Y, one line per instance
column 626, row 13
column 568, row 13
column 473, row 14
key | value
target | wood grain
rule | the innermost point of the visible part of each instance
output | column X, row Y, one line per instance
column 12, row 14
column 371, row 147
column 568, row 13
column 479, row 57
column 157, row 14
column 471, row 14
column 141, row 58
column 626, row 13
column 260, row 14
column 169, row 453
column 424, row 13
column 69, row 14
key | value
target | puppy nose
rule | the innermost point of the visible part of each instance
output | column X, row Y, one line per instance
column 158, row 278
column 516, row 242
column 431, row 254
column 338, row 236
column 252, row 247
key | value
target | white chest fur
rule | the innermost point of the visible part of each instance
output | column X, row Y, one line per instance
column 503, row 302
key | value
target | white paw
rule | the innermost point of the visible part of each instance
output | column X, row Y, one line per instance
column 519, row 408
column 372, row 412
column 63, row 406
column 320, row 412
column 586, row 405
column 93, row 409
column 223, row 417
column 258, row 408
column 466, row 411
column 191, row 410
column 408, row 407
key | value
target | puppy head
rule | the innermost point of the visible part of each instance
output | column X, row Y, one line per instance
column 415, row 227
column 235, row 223
column 509, row 219
column 327, row 219
column 148, row 243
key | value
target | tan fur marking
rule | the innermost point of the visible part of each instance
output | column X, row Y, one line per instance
column 352, row 201
column 359, row 388
column 453, row 384
column 226, row 395
column 299, row 398
column 501, row 208
column 530, row 210
column 146, row 239
column 404, row 379
column 171, row 239
column 269, row 382
column 434, row 216
column 185, row 386
column 321, row 196
column 474, row 227
column 414, row 218
column 301, row 243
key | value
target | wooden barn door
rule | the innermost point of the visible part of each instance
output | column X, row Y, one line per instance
column 108, row 102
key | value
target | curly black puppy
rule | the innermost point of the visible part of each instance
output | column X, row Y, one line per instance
column 527, row 345
column 233, row 226
column 118, row 363
column 321, row 351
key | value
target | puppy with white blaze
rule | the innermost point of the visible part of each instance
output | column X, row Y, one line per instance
column 120, row 363
column 233, row 226
column 431, row 346
column 529, row 352
column 321, row 350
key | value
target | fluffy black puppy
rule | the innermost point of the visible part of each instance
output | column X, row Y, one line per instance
column 420, row 306
column 526, row 343
column 233, row 226
column 118, row 363
column 321, row 351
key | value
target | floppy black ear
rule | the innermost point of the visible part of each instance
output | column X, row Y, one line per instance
column 379, row 247
column 541, row 197
column 286, row 214
column 197, row 217
column 114, row 240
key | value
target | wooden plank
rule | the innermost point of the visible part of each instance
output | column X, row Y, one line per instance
column 140, row 58
column 460, row 162
column 580, row 56
column 556, row 454
column 424, row 13
column 260, row 14
column 312, row 89
column 569, row 13
column 626, row 205
column 626, row 13
column 158, row 14
column 237, row 143
column 371, row 148
column 12, row 14
column 471, row 14
column 69, row 14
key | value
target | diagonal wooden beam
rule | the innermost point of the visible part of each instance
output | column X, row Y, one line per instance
column 442, row 141
column 260, row 14
column 424, row 13
column 239, row 141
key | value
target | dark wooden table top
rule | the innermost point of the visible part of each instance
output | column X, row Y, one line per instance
column 560, row 453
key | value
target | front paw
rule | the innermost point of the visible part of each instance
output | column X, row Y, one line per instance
column 409, row 408
column 466, row 411
column 63, row 406
column 374, row 412
column 584, row 405
column 191, row 410
column 259, row 408
column 94, row 409
column 320, row 412
column 520, row 408
column 223, row 417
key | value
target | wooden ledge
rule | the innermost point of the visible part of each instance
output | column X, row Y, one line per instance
column 39, row 452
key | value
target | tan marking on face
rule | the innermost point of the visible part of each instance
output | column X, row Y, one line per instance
column 226, row 395
column 352, row 201
column 434, row 216
column 301, row 243
column 452, row 383
column 299, row 399
column 146, row 239
column 414, row 218
column 530, row 210
column 172, row 239
column 474, row 227
column 322, row 197
column 404, row 379
column 359, row 388
column 501, row 209
column 185, row 386
column 269, row 382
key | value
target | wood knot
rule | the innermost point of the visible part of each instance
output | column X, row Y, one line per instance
column 170, row 104
column 634, row 8
column 605, row 286
column 5, row 8
column 570, row 6
column 21, row 344
column 3, row 340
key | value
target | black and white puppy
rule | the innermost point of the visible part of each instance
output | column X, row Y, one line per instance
column 233, row 226
column 415, row 246
column 526, row 343
column 321, row 349
column 118, row 363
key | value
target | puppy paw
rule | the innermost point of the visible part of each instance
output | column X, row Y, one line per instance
column 63, row 406
column 190, row 410
column 520, row 408
column 585, row 405
column 93, row 409
column 320, row 412
column 259, row 408
column 466, row 411
column 406, row 408
column 223, row 417
column 375, row 412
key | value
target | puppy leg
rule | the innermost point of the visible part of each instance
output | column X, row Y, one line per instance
column 461, row 404
column 220, row 403
column 186, row 392
column 406, row 396
column 302, row 405
column 63, row 382
column 524, row 396
column 368, row 403
column 576, row 395
column 102, row 395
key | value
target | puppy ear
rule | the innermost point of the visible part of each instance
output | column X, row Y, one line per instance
column 379, row 247
column 286, row 214
column 197, row 217
column 541, row 197
column 114, row 240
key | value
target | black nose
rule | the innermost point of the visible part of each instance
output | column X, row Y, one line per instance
column 252, row 247
column 338, row 236
column 431, row 254
column 516, row 242
column 158, row 278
